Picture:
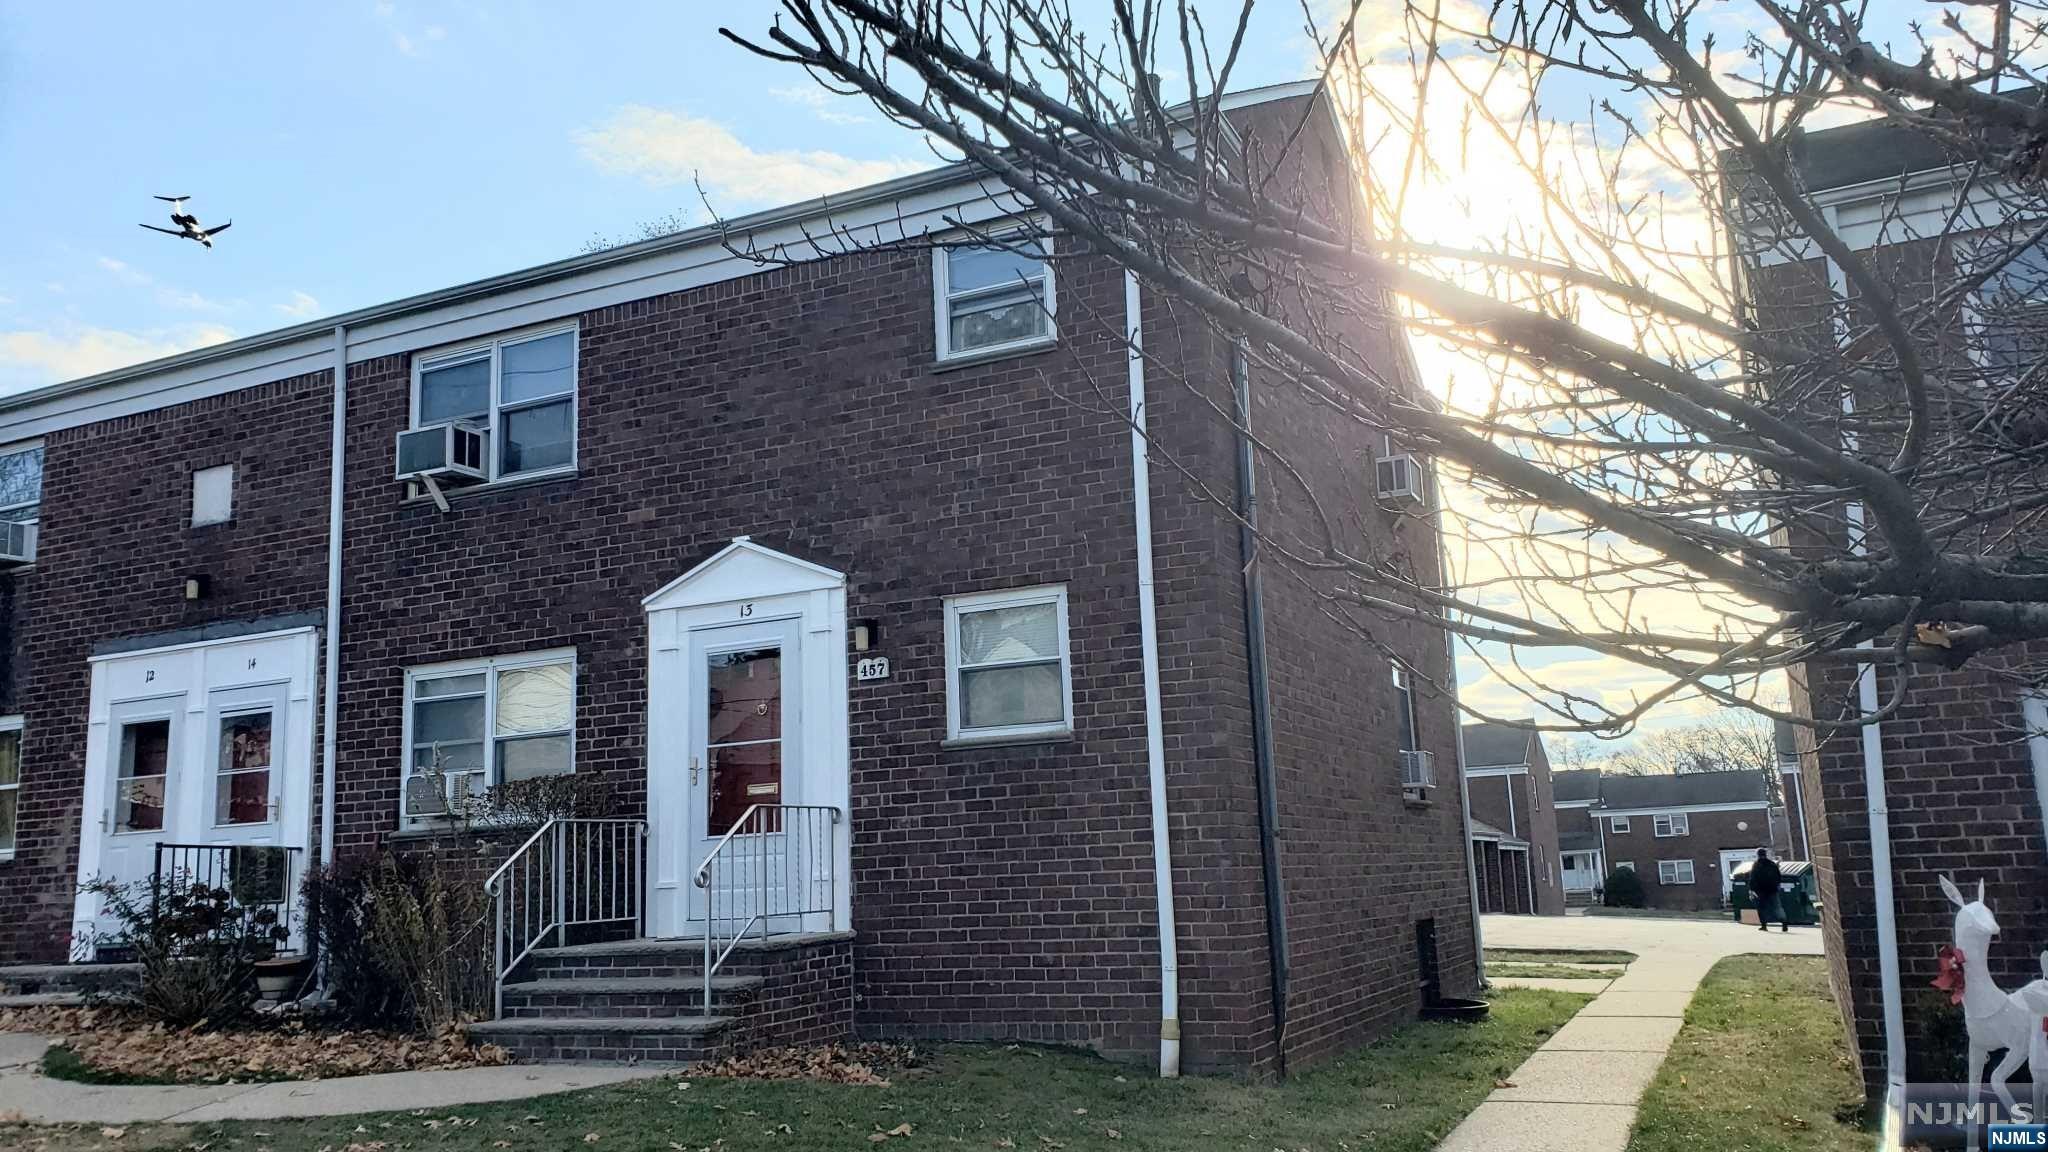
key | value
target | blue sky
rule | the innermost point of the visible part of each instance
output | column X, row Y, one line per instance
column 370, row 150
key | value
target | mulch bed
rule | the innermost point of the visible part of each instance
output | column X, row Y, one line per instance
column 120, row 1042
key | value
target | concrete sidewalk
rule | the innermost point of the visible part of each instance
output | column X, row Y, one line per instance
column 1578, row 1093
column 26, row 1092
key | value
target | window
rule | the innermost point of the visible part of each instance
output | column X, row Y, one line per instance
column 521, row 389
column 2007, row 320
column 241, row 783
column 1671, row 824
column 213, row 495
column 21, row 484
column 1617, row 824
column 10, row 782
column 491, row 722
column 992, row 298
column 1628, row 864
column 145, row 751
column 1006, row 665
column 1397, row 474
column 1404, row 706
column 1674, row 871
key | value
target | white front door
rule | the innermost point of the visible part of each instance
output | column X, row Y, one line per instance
column 746, row 757
column 747, row 705
column 1731, row 859
column 192, row 753
column 1581, row 872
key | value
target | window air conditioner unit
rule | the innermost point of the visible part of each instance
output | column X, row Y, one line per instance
column 450, row 453
column 424, row 796
column 1418, row 769
column 17, row 543
column 1400, row 477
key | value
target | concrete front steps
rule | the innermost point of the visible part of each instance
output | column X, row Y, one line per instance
column 635, row 1001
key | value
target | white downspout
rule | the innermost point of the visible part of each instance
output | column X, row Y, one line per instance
column 1155, row 732
column 330, row 686
column 1877, row 811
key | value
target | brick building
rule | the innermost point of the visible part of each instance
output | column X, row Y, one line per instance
column 1683, row 833
column 1951, row 783
column 827, row 536
column 1514, row 820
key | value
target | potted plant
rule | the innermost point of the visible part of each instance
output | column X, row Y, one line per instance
column 277, row 975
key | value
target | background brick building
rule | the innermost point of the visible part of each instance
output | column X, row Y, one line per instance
column 1508, row 783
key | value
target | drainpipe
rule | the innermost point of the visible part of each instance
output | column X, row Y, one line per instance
column 1278, row 955
column 1155, row 734
column 1472, row 853
column 1877, row 811
column 330, row 686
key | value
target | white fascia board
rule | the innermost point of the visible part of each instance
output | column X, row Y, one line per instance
column 1499, row 770
column 887, row 213
column 1893, row 211
column 1662, row 809
column 1573, row 803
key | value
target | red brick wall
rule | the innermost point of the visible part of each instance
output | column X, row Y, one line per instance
column 1532, row 816
column 999, row 892
column 1711, row 834
column 114, row 550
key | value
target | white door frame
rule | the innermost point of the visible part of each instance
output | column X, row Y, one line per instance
column 744, row 583
column 1728, row 859
column 188, row 678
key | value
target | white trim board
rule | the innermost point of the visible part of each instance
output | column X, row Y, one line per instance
column 1661, row 809
column 1498, row 770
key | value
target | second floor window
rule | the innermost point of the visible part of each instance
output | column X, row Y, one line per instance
column 21, row 484
column 1671, row 824
column 521, row 389
column 2009, row 311
column 994, row 298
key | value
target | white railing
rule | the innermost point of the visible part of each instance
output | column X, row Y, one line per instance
column 775, row 866
column 1418, row 769
column 568, row 874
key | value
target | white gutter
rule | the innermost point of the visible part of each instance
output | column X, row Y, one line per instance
column 330, row 686
column 1155, row 729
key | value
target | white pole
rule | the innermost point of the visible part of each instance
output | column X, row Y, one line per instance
column 1155, row 734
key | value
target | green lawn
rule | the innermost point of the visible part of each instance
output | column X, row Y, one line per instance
column 1404, row 1093
column 1757, row 1019
column 1555, row 956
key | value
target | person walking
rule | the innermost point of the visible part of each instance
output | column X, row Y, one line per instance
column 1764, row 880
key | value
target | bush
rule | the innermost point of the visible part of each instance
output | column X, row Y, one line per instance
column 1623, row 889
column 407, row 939
column 196, row 945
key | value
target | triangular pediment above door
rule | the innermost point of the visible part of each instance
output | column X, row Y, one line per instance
column 743, row 570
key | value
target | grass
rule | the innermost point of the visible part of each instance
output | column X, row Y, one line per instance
column 1549, row 972
column 1404, row 1093
column 1761, row 1065
column 1556, row 956
column 62, row 1063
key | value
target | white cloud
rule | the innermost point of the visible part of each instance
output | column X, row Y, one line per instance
column 123, row 272
column 167, row 296
column 663, row 148
column 826, row 106
column 409, row 39
column 300, row 306
column 33, row 357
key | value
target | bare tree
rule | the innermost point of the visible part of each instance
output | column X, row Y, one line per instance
column 1645, row 457
column 1735, row 740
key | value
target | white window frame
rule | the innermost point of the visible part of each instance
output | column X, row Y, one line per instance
column 493, row 350
column 1617, row 825
column 1628, row 864
column 1965, row 254
column 7, row 511
column 488, row 667
column 1665, row 825
column 1054, row 594
column 224, row 513
column 1668, row 873
column 942, row 300
column 13, row 724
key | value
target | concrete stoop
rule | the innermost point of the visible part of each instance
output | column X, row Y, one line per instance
column 642, row 1001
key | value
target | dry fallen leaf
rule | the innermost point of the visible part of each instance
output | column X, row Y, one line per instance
column 901, row 1130
column 591, row 1137
column 1114, row 1134
column 113, row 1133
column 1503, row 1083
column 1006, row 1142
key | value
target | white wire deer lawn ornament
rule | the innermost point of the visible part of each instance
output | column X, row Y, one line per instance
column 2008, row 1020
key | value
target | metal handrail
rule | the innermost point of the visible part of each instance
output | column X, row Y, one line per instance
column 569, row 873
column 783, row 859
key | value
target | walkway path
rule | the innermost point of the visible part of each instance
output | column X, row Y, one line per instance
column 1578, row 1093
column 27, row 1094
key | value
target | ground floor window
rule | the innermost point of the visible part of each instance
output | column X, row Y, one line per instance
column 1674, row 872
column 10, row 783
column 478, row 724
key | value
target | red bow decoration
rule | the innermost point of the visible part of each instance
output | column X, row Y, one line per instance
column 1950, row 980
